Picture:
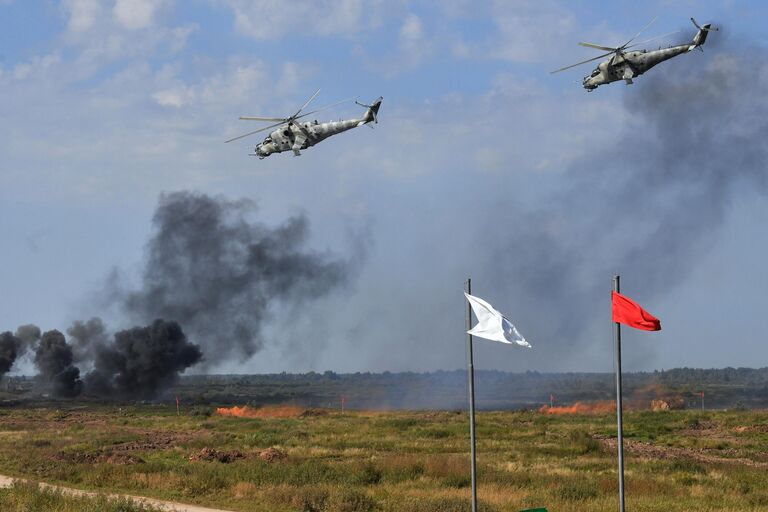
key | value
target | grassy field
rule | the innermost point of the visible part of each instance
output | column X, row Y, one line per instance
column 30, row 498
column 393, row 461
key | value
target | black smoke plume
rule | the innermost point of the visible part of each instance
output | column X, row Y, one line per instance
column 218, row 273
column 13, row 346
column 209, row 268
column 142, row 361
column 647, row 204
column 135, row 363
column 53, row 358
column 28, row 335
column 9, row 348
column 84, row 336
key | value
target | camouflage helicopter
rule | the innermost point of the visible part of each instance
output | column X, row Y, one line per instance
column 291, row 134
column 624, row 65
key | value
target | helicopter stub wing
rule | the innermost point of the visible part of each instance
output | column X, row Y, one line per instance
column 299, row 138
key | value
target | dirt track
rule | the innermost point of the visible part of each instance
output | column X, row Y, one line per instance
column 169, row 506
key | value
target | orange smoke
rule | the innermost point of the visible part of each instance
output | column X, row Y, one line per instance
column 261, row 412
column 601, row 407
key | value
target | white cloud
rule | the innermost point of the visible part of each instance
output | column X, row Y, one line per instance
column 137, row 14
column 411, row 31
column 82, row 14
column 239, row 87
column 531, row 30
column 262, row 19
column 36, row 67
column 105, row 34
column 294, row 77
column 22, row 71
column 413, row 45
column 171, row 97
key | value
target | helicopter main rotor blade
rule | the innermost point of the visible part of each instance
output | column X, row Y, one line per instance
column 582, row 62
column 324, row 107
column 256, row 118
column 253, row 132
column 653, row 39
column 638, row 34
column 598, row 47
column 305, row 104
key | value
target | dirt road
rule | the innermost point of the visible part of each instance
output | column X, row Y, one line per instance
column 169, row 506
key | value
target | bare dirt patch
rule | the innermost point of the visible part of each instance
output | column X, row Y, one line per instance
column 154, row 441
column 272, row 454
column 652, row 451
column 213, row 455
column 757, row 429
column 119, row 459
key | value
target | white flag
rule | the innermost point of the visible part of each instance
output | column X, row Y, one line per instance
column 492, row 325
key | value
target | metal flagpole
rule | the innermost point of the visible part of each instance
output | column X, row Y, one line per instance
column 620, row 442
column 471, row 376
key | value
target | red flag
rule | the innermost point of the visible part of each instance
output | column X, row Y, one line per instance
column 628, row 312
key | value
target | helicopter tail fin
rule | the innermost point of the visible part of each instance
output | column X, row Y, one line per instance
column 701, row 35
column 372, row 114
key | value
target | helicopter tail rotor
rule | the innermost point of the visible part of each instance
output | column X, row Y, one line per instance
column 372, row 114
column 701, row 36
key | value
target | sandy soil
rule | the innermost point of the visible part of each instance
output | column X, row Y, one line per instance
column 169, row 506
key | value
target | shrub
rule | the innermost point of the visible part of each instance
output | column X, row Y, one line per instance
column 583, row 443
column 351, row 500
column 367, row 475
column 310, row 499
column 577, row 491
column 458, row 481
column 687, row 466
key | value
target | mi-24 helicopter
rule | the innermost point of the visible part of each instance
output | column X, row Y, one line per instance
column 626, row 65
column 290, row 134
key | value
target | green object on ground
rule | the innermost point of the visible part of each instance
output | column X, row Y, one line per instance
column 534, row 510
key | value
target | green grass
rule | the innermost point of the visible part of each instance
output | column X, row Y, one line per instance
column 31, row 498
column 395, row 462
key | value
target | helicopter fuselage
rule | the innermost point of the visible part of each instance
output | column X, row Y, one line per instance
column 296, row 136
column 631, row 64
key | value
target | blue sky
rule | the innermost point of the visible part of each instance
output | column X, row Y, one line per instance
column 107, row 104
